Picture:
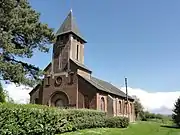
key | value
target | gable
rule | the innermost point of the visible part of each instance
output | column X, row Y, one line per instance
column 46, row 69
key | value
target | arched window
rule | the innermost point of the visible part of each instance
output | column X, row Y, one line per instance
column 120, row 109
column 131, row 108
column 102, row 104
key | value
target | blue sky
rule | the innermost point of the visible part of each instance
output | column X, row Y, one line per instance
column 134, row 38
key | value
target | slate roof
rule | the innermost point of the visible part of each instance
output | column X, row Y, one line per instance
column 80, row 65
column 69, row 25
column 106, row 87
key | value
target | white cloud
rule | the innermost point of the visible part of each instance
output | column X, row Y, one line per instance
column 154, row 100
column 19, row 94
column 150, row 100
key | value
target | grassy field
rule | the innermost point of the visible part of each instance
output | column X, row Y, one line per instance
column 140, row 128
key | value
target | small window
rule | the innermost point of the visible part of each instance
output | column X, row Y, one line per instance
column 77, row 52
column 47, row 80
column 71, row 78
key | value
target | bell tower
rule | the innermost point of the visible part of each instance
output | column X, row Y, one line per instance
column 69, row 45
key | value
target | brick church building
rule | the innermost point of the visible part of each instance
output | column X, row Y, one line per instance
column 69, row 83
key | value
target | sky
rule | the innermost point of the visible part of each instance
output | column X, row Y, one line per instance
column 126, row 38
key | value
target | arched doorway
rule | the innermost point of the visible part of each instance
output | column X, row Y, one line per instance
column 59, row 103
column 59, row 99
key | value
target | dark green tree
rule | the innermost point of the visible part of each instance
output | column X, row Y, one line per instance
column 176, row 112
column 21, row 34
column 2, row 95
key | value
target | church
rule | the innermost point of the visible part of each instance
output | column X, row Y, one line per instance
column 68, row 83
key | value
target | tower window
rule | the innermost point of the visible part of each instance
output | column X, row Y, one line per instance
column 60, row 62
column 77, row 53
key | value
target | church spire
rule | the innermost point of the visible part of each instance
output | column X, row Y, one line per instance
column 69, row 26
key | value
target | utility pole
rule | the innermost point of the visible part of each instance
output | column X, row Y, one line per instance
column 127, row 103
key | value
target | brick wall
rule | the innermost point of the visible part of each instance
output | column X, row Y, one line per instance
column 34, row 95
column 85, row 89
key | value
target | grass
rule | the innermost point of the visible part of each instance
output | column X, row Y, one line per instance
column 140, row 128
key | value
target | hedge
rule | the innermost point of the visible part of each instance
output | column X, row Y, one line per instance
column 42, row 120
column 117, row 122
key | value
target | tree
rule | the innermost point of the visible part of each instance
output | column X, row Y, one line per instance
column 2, row 95
column 176, row 112
column 21, row 34
column 8, row 98
column 138, row 108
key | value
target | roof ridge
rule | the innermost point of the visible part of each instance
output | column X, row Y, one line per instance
column 111, row 84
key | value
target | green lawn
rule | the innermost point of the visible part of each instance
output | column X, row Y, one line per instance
column 141, row 128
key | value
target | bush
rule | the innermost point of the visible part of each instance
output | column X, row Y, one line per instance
column 147, row 116
column 117, row 122
column 37, row 119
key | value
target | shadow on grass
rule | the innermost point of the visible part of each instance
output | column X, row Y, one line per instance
column 168, row 126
